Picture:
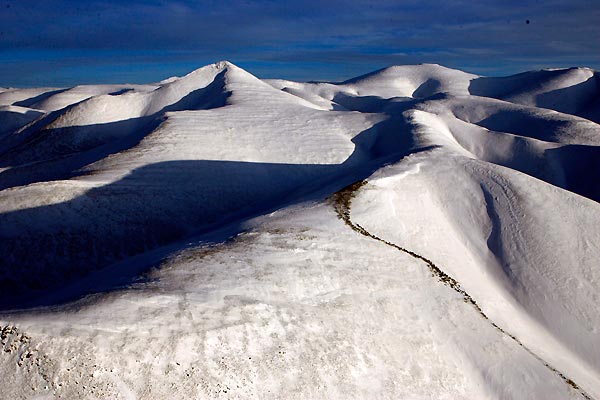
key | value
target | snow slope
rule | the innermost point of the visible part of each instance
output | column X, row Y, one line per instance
column 180, row 239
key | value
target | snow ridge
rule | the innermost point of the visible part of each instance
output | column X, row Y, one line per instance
column 120, row 199
column 342, row 201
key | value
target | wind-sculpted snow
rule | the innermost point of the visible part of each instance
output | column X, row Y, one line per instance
column 115, row 201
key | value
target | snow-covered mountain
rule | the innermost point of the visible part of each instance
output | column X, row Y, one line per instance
column 417, row 232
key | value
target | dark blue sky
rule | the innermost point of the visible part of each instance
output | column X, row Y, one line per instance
column 65, row 42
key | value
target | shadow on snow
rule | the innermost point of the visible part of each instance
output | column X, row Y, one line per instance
column 45, row 251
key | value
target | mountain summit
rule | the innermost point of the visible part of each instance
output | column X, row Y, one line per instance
column 415, row 232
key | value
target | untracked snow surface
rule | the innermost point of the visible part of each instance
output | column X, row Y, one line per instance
column 414, row 233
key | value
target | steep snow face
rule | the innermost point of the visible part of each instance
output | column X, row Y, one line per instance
column 465, row 265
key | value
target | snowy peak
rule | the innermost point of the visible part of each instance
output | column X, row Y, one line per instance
column 416, row 81
column 572, row 91
column 416, row 232
column 205, row 88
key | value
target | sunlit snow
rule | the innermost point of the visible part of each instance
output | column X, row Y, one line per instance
column 413, row 233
